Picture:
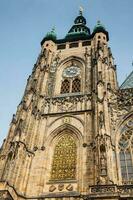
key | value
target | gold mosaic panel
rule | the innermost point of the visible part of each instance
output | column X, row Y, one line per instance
column 64, row 159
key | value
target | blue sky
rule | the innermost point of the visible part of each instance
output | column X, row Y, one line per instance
column 24, row 23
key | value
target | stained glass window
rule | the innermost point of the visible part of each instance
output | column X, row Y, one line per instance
column 64, row 159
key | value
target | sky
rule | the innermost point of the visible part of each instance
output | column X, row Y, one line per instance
column 24, row 23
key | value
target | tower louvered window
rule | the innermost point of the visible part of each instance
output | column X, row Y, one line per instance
column 126, row 152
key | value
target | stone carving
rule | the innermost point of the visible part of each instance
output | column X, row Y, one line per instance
column 66, row 120
column 100, row 77
column 14, row 121
column 20, row 127
column 53, row 68
column 103, row 164
column 13, row 150
column 69, row 187
column 103, row 189
column 52, row 188
column 66, row 103
column 4, row 195
column 109, row 189
column 67, row 106
column 60, row 187
column 87, row 52
column 101, row 119
column 101, row 180
column 42, row 148
column 33, row 85
column 35, row 148
column 125, row 99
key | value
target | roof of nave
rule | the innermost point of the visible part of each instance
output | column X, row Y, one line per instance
column 128, row 83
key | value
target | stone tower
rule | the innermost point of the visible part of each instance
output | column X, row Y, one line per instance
column 71, row 137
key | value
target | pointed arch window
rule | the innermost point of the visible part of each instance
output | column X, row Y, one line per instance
column 64, row 159
column 126, row 153
column 71, row 82
column 126, row 165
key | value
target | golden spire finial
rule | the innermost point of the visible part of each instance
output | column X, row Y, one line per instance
column 81, row 9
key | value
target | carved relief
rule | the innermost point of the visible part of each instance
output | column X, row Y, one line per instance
column 52, row 73
column 120, row 104
column 5, row 195
column 69, row 187
column 101, row 119
column 65, row 104
column 52, row 188
column 60, row 187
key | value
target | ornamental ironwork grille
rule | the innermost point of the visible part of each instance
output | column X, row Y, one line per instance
column 64, row 159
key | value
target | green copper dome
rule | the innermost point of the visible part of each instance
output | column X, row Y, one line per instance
column 100, row 28
column 79, row 29
column 51, row 35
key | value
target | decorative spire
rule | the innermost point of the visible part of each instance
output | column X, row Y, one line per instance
column 99, row 25
column 53, row 30
column 81, row 9
column 79, row 29
column 98, row 22
column 51, row 35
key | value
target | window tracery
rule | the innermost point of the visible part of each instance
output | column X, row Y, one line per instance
column 71, row 80
column 126, row 152
column 64, row 159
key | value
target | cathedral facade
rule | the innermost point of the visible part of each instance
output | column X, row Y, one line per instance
column 72, row 135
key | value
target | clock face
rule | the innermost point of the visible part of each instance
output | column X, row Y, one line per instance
column 71, row 71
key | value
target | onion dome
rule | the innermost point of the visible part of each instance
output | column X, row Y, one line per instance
column 100, row 28
column 50, row 36
column 79, row 29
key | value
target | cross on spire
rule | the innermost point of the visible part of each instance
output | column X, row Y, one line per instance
column 81, row 9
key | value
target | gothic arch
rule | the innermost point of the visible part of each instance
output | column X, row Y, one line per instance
column 80, row 63
column 69, row 116
column 124, row 149
column 72, row 135
column 56, row 133
column 64, row 61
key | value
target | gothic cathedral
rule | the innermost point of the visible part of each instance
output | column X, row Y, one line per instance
column 72, row 135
